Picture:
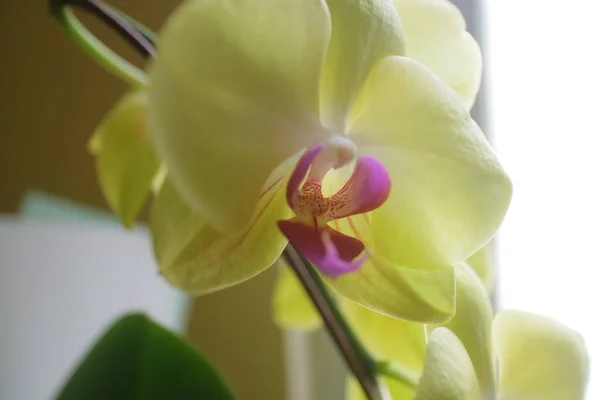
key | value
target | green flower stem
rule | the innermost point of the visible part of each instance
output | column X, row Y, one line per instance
column 397, row 372
column 123, row 26
column 97, row 50
column 357, row 358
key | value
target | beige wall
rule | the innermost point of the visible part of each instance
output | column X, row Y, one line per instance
column 52, row 96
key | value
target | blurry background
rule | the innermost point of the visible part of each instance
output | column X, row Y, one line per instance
column 541, row 92
column 544, row 83
column 52, row 97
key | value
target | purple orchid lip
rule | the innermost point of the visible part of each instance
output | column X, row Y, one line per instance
column 333, row 252
column 329, row 250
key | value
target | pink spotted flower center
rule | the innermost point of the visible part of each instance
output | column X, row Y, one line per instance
column 333, row 252
column 310, row 201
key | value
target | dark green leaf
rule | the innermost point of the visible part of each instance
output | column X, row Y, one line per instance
column 137, row 359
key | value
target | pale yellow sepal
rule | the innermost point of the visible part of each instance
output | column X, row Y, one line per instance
column 126, row 162
column 195, row 257
column 388, row 338
column 472, row 324
column 449, row 193
column 362, row 33
column 234, row 92
column 435, row 35
column 292, row 308
column 539, row 358
column 448, row 373
column 400, row 292
column 482, row 263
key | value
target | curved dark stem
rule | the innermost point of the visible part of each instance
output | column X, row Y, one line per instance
column 146, row 32
column 358, row 360
column 114, row 20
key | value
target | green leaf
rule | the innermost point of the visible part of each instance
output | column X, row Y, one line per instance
column 126, row 163
column 138, row 359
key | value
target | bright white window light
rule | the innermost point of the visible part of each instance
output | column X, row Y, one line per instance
column 544, row 85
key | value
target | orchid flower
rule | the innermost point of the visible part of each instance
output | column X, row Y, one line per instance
column 309, row 122
column 517, row 356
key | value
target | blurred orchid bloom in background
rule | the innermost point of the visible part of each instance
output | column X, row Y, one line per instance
column 514, row 356
column 327, row 99
column 538, row 358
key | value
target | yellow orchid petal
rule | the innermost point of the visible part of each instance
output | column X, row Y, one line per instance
column 395, row 390
column 362, row 33
column 449, row 193
column 393, row 289
column 292, row 308
column 483, row 264
column 233, row 92
column 387, row 338
column 448, row 373
column 199, row 259
column 472, row 324
column 126, row 162
column 434, row 32
column 420, row 296
column 539, row 358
